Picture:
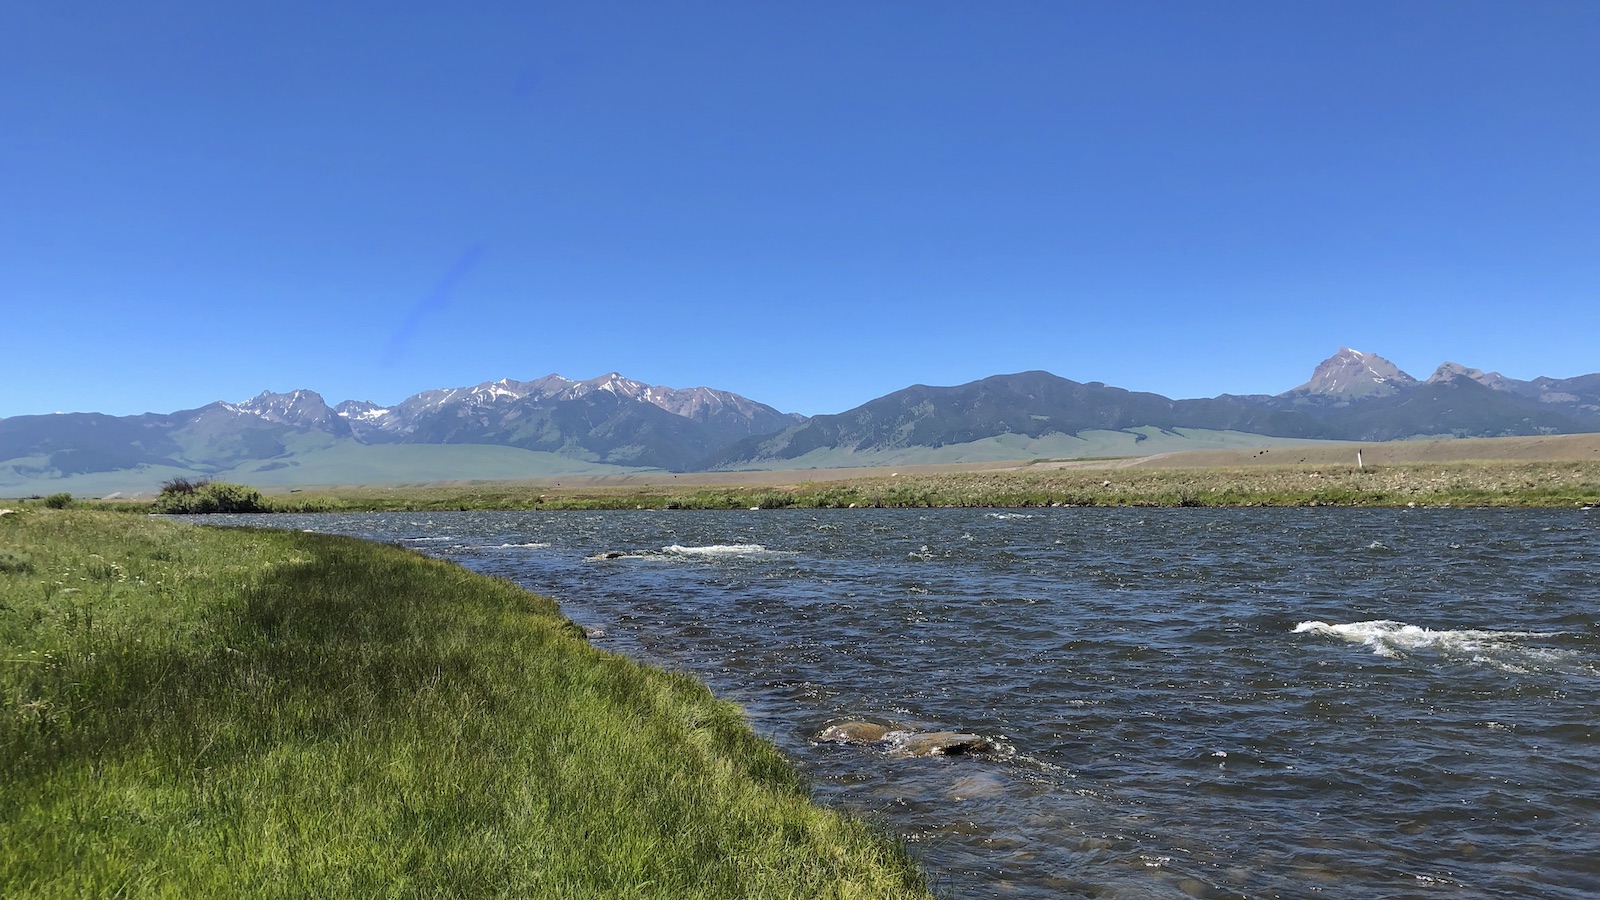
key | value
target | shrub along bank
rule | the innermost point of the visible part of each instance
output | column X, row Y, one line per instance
column 208, row 712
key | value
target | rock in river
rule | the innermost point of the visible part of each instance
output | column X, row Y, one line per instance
column 937, row 743
column 900, row 742
column 854, row 732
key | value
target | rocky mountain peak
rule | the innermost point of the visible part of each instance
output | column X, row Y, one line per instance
column 618, row 384
column 1352, row 374
column 1451, row 371
column 359, row 410
column 300, row 407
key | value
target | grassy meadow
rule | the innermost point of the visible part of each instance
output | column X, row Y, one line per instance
column 1541, row 471
column 234, row 713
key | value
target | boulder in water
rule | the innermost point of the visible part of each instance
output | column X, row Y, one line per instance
column 938, row 743
column 901, row 742
column 854, row 731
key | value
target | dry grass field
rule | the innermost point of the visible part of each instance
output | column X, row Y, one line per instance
column 1543, row 449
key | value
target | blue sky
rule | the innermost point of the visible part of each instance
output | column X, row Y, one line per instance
column 810, row 204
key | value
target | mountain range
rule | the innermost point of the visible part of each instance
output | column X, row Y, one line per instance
column 555, row 426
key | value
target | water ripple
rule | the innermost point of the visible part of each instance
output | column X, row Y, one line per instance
column 1194, row 703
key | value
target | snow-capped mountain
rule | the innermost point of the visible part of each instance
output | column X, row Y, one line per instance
column 1352, row 375
column 359, row 411
column 507, row 409
column 306, row 409
column 555, row 425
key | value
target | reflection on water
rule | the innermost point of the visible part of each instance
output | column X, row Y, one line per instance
column 1201, row 703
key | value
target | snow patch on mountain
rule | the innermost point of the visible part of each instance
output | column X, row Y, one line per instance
column 1352, row 374
column 360, row 411
column 301, row 407
column 494, row 403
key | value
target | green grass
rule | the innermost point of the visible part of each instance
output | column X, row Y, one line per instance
column 1542, row 484
column 1479, row 483
column 1087, row 444
column 347, row 462
column 229, row 713
column 312, row 459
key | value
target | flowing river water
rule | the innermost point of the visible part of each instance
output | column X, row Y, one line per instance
column 1185, row 702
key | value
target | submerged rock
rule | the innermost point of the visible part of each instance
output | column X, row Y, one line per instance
column 938, row 743
column 901, row 742
column 854, row 732
column 983, row 784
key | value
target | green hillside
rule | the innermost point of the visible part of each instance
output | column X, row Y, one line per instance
column 326, row 463
column 1084, row 445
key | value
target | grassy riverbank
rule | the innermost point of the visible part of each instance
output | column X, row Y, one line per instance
column 208, row 712
column 1533, row 484
column 1541, row 471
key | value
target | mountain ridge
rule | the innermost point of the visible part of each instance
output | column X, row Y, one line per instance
column 614, row 423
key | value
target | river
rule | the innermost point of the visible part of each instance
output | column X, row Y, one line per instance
column 1184, row 702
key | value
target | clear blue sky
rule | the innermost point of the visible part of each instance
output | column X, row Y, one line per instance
column 812, row 204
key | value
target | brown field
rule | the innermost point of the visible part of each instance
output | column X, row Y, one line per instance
column 1545, row 448
column 776, row 478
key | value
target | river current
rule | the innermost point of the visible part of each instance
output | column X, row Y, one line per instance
column 1185, row 702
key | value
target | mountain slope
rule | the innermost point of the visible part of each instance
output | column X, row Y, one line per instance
column 610, row 423
column 1352, row 375
column 721, row 415
column 610, row 419
column 1027, row 404
column 1351, row 396
column 553, row 424
column 74, row 443
column 1456, row 407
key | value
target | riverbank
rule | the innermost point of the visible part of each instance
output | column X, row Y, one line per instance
column 1103, row 483
column 213, row 712
column 1550, row 471
column 1174, row 694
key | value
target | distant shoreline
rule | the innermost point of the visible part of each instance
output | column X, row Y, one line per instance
column 1547, row 471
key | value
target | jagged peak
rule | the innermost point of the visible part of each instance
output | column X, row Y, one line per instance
column 297, row 407
column 296, row 394
column 698, row 403
column 1449, row 371
column 360, row 411
column 301, row 400
column 1351, row 374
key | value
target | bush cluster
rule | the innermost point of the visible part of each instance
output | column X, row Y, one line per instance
column 183, row 497
column 182, row 485
column 12, row 561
